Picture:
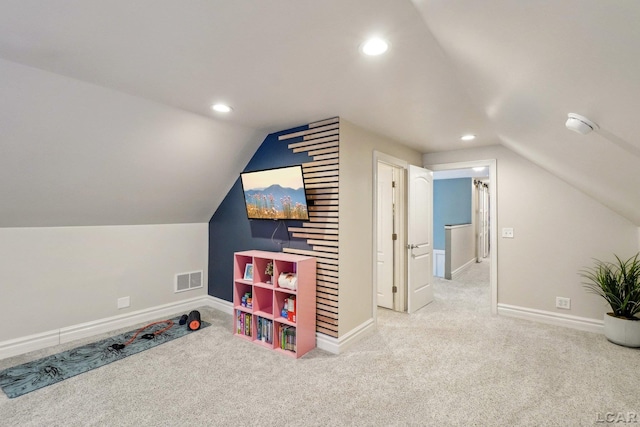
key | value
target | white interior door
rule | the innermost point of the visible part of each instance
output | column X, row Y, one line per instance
column 419, row 238
column 384, row 245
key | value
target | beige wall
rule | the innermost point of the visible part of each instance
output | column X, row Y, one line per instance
column 557, row 229
column 57, row 277
column 460, row 244
column 356, row 219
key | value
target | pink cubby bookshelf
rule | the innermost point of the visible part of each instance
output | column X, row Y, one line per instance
column 268, row 328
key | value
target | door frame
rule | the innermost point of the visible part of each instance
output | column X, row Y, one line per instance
column 401, row 229
column 493, row 216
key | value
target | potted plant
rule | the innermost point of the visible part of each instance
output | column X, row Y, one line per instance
column 619, row 284
column 269, row 271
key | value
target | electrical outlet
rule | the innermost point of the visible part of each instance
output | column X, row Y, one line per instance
column 564, row 303
column 124, row 302
column 507, row 233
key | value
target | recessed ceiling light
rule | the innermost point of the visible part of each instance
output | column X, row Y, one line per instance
column 374, row 47
column 221, row 108
column 468, row 137
column 478, row 168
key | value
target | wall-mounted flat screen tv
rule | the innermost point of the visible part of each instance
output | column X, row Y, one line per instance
column 275, row 194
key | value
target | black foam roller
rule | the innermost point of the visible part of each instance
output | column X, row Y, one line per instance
column 193, row 321
column 183, row 319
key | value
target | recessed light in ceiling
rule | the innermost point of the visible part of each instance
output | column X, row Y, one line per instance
column 478, row 168
column 468, row 137
column 221, row 108
column 374, row 47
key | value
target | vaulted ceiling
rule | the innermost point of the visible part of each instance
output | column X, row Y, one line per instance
column 105, row 106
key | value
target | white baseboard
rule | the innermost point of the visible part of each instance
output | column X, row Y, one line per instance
column 39, row 341
column 464, row 266
column 220, row 304
column 574, row 322
column 34, row 342
column 340, row 345
column 29, row 343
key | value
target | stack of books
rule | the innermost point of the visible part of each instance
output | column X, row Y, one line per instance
column 265, row 330
column 243, row 323
column 287, row 336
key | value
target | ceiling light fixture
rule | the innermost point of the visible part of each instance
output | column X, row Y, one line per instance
column 580, row 124
column 374, row 47
column 221, row 108
column 468, row 137
column 478, row 168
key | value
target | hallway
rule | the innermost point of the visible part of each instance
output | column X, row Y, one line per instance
column 469, row 290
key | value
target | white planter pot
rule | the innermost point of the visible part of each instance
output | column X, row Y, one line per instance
column 621, row 331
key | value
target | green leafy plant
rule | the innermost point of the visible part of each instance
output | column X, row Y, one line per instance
column 269, row 270
column 618, row 283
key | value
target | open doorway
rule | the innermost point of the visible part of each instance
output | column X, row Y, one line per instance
column 460, row 219
column 400, row 257
column 483, row 216
column 403, row 235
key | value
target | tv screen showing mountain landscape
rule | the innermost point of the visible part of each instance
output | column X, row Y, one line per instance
column 275, row 194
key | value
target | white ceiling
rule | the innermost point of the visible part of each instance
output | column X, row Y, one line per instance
column 508, row 71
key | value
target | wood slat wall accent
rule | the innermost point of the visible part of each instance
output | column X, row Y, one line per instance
column 311, row 194
column 327, row 266
column 321, row 168
column 321, row 141
column 324, row 214
column 308, row 142
column 319, row 172
column 327, row 290
column 324, row 208
column 320, row 163
column 326, row 151
column 308, row 225
column 327, row 156
column 322, row 180
column 323, row 242
column 313, row 133
column 331, row 143
column 324, row 230
column 314, row 236
column 316, row 219
column 327, row 271
column 324, row 122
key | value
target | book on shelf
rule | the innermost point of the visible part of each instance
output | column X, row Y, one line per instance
column 287, row 335
column 243, row 323
column 265, row 330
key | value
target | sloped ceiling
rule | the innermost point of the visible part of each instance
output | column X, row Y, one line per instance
column 527, row 64
column 104, row 106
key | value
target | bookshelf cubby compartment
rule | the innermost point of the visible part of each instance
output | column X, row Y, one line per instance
column 293, row 332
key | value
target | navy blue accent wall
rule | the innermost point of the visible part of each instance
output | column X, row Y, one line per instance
column 229, row 229
column 451, row 206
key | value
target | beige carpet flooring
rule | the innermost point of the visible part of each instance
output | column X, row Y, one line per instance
column 450, row 364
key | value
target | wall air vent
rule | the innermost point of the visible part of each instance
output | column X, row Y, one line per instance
column 188, row 281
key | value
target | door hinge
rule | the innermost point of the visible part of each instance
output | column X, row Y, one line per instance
column 394, row 289
column 393, row 184
column 394, row 236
